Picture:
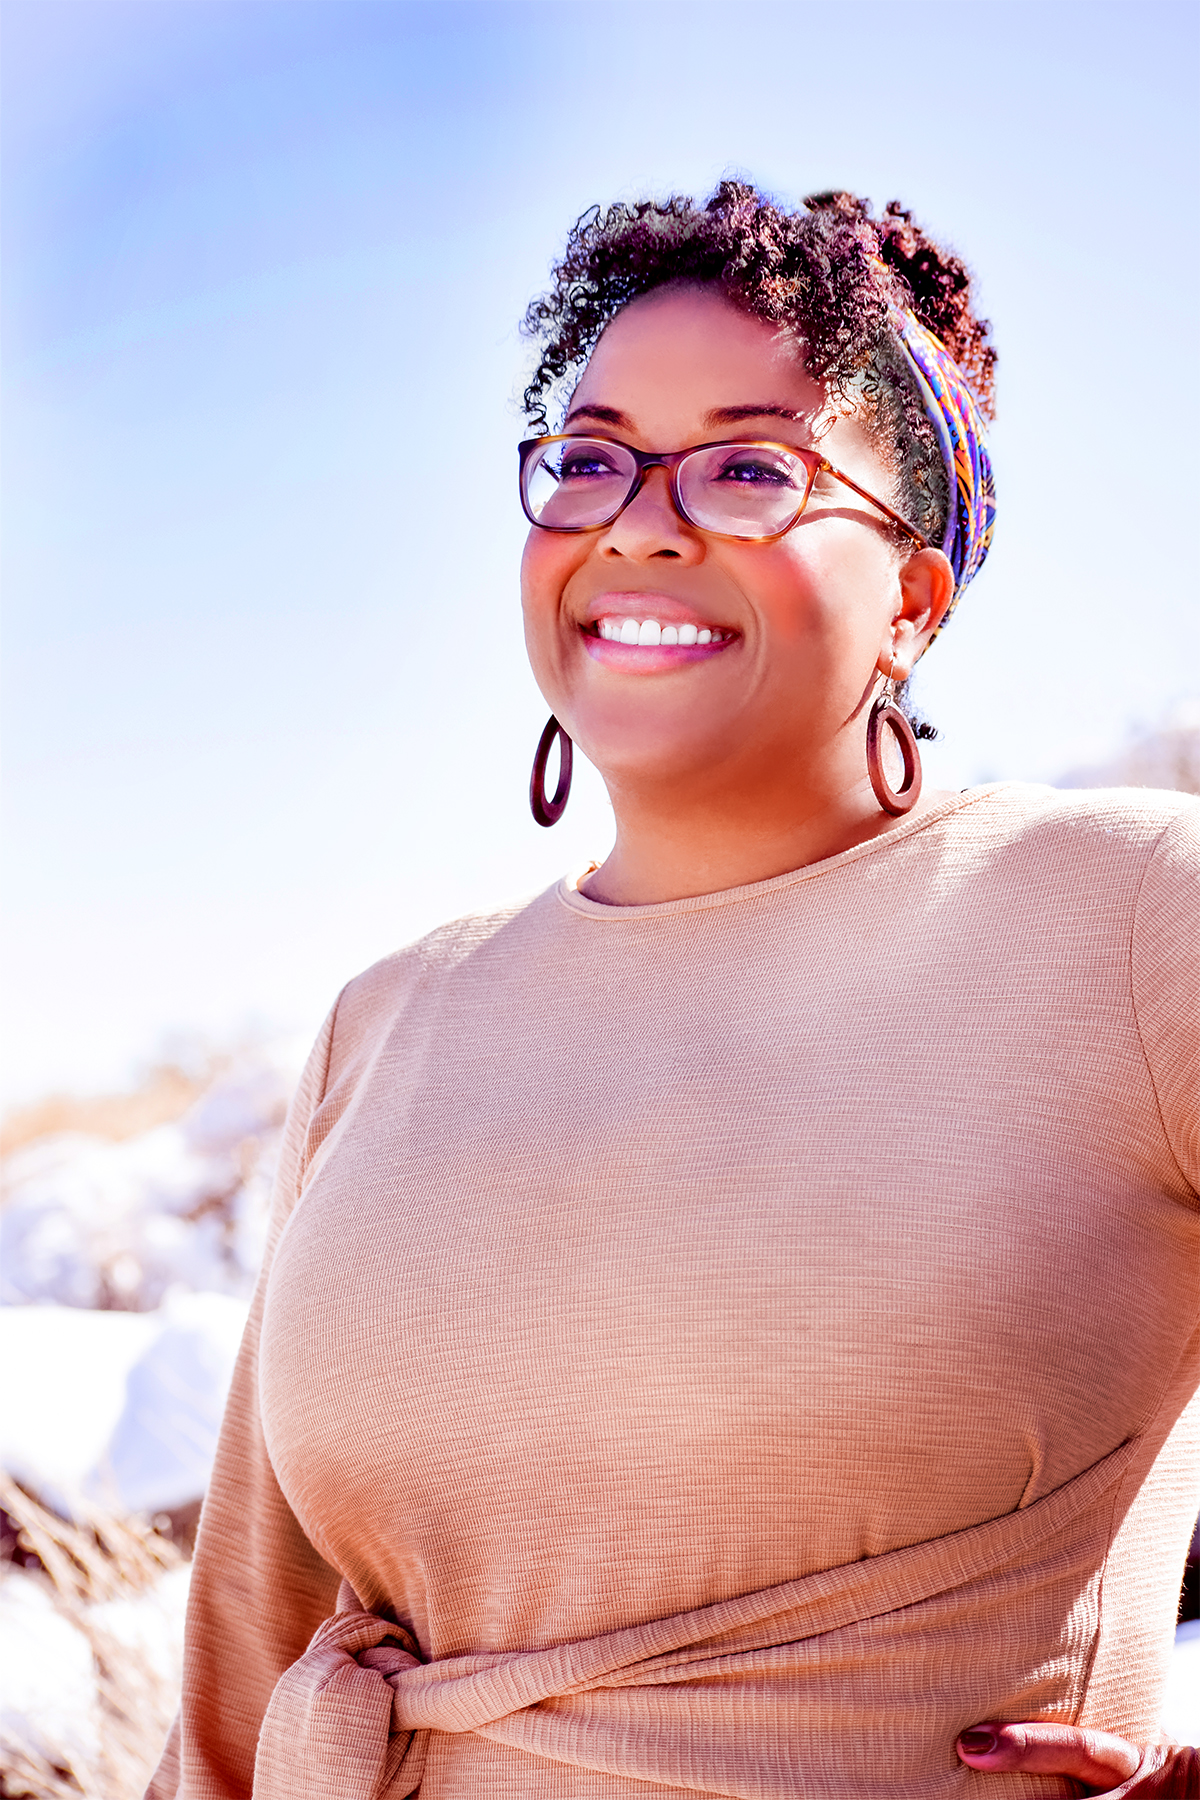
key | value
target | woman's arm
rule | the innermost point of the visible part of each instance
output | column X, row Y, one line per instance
column 259, row 1589
column 1165, row 980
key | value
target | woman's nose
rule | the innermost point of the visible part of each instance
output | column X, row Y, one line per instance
column 650, row 525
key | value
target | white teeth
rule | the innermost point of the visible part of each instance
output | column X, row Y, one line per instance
column 648, row 633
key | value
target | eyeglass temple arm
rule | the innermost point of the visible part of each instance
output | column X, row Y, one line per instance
column 883, row 507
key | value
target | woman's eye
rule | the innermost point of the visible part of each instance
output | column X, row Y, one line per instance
column 582, row 465
column 756, row 471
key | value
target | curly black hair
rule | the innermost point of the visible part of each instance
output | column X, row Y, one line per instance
column 831, row 272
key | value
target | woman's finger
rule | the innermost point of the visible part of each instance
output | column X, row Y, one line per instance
column 1095, row 1757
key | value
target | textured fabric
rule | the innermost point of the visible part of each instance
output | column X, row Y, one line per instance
column 871, row 1641
column 955, row 416
column 727, row 1346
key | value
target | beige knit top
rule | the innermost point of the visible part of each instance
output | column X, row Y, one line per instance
column 727, row 1346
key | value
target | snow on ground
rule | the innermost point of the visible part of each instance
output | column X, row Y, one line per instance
column 66, row 1392
column 46, row 1675
column 125, row 1274
column 63, row 1665
column 125, row 1271
column 162, row 1446
column 117, row 1408
column 90, row 1223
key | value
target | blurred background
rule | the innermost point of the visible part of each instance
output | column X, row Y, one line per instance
column 266, row 708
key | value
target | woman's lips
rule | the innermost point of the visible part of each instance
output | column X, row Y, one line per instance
column 632, row 642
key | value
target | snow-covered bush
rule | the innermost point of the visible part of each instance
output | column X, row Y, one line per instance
column 91, row 1223
column 91, row 1641
column 128, row 1250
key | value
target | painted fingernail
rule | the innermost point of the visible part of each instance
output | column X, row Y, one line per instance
column 977, row 1743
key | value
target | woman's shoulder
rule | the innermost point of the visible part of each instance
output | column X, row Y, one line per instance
column 1120, row 825
column 372, row 999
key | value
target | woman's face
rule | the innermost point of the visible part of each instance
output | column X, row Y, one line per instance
column 800, row 627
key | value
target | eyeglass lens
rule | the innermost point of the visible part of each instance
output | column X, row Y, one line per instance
column 740, row 490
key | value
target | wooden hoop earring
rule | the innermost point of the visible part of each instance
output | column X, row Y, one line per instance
column 549, row 812
column 893, row 800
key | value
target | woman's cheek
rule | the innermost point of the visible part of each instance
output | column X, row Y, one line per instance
column 546, row 566
column 794, row 592
column 837, row 589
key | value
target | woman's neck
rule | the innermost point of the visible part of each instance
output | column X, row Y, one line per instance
column 663, row 855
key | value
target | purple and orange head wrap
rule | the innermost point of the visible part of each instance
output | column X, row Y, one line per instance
column 959, row 424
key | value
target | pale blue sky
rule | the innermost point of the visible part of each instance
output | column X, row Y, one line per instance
column 267, row 710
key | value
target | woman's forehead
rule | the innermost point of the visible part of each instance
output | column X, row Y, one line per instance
column 693, row 351
column 687, row 366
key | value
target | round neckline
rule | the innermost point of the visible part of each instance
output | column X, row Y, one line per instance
column 567, row 890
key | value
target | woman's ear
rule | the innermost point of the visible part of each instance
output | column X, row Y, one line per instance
column 926, row 590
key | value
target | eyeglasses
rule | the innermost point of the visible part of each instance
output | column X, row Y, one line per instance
column 755, row 492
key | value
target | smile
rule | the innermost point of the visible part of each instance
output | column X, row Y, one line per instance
column 649, row 634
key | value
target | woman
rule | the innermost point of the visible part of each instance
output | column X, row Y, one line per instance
column 730, row 1325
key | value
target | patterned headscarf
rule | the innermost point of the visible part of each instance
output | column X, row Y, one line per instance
column 955, row 416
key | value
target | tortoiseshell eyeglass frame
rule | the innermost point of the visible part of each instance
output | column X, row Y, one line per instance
column 672, row 460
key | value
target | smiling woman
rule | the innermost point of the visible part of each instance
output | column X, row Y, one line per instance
column 730, row 1325
column 784, row 583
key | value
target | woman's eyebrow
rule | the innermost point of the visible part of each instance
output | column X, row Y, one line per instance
column 607, row 415
column 720, row 415
column 733, row 415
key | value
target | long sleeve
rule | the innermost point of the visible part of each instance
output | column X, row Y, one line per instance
column 1165, row 958
column 259, row 1589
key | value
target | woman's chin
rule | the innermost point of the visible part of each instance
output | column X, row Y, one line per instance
column 659, row 762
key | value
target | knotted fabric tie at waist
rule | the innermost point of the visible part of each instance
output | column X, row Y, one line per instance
column 852, row 1681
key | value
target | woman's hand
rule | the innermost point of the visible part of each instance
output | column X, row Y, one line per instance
column 1097, row 1758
